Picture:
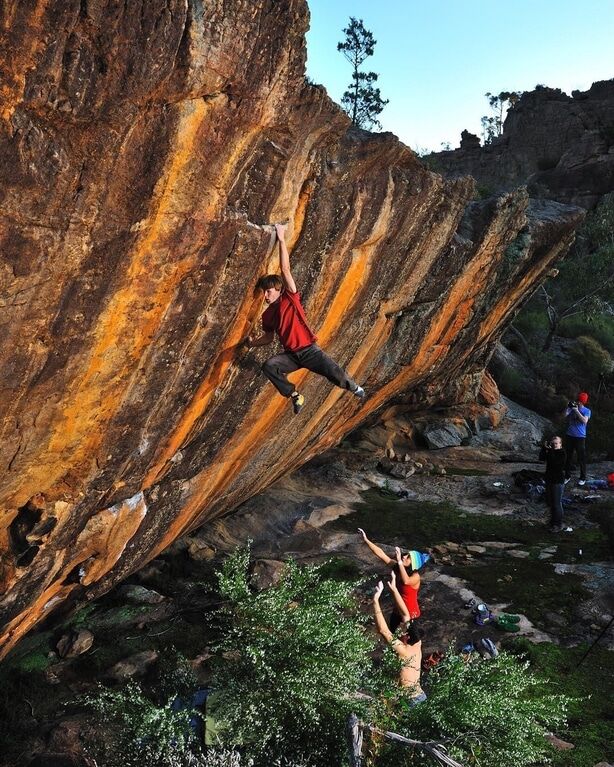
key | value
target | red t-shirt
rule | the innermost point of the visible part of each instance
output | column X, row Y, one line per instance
column 410, row 597
column 286, row 317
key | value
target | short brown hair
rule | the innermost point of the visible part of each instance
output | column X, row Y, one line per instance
column 270, row 281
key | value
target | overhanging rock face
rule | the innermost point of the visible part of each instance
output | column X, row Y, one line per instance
column 142, row 147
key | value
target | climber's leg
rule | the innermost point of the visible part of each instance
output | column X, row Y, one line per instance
column 276, row 369
column 314, row 359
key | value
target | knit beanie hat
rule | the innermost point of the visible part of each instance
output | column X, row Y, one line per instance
column 418, row 559
column 583, row 397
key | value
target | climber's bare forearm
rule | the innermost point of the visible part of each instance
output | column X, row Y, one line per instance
column 380, row 621
column 378, row 551
column 401, row 606
column 284, row 259
column 263, row 340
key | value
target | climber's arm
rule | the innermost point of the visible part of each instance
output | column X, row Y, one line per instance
column 262, row 340
column 284, row 259
column 380, row 621
column 401, row 606
column 379, row 552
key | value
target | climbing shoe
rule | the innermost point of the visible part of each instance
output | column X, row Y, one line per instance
column 359, row 392
column 297, row 403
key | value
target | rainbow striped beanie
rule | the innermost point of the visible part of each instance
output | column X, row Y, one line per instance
column 418, row 559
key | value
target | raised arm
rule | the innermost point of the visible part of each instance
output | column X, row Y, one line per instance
column 579, row 416
column 402, row 571
column 406, row 578
column 575, row 412
column 379, row 552
column 380, row 621
column 284, row 259
column 401, row 606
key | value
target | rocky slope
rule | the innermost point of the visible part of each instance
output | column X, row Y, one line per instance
column 143, row 148
column 489, row 542
column 561, row 146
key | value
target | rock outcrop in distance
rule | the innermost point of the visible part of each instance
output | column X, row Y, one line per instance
column 560, row 146
column 144, row 146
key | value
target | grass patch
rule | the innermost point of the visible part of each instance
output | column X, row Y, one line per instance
column 461, row 472
column 340, row 569
column 422, row 524
column 116, row 617
column 591, row 720
column 528, row 586
column 603, row 514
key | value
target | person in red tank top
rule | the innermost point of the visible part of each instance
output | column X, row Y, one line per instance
column 409, row 581
column 285, row 317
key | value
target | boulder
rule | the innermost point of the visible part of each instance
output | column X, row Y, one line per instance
column 133, row 667
column 558, row 743
column 266, row 573
column 200, row 551
column 75, row 643
column 439, row 435
column 139, row 595
column 323, row 516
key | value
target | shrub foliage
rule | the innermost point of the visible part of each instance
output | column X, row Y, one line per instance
column 487, row 712
column 295, row 655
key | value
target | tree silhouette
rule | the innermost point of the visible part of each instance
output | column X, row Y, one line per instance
column 492, row 125
column 362, row 101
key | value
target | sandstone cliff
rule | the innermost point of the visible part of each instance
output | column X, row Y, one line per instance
column 561, row 146
column 143, row 146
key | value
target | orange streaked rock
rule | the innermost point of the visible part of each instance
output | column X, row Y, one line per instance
column 144, row 149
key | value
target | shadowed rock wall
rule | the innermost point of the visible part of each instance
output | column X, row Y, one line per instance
column 143, row 145
column 560, row 146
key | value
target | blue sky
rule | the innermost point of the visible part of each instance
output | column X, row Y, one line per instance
column 437, row 58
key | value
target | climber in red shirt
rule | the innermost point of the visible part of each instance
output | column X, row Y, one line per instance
column 285, row 317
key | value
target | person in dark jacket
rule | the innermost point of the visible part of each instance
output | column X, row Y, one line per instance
column 555, row 457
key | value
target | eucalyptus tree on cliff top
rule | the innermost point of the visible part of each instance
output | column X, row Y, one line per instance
column 492, row 125
column 362, row 101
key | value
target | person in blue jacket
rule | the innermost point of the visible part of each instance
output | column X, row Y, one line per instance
column 577, row 415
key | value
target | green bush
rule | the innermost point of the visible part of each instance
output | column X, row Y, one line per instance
column 175, row 676
column 532, row 322
column 487, row 712
column 600, row 439
column 511, row 383
column 139, row 732
column 294, row 656
column 601, row 329
column 590, row 358
column 587, row 680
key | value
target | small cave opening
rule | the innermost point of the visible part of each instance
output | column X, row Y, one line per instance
column 75, row 575
column 27, row 519
column 27, row 557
